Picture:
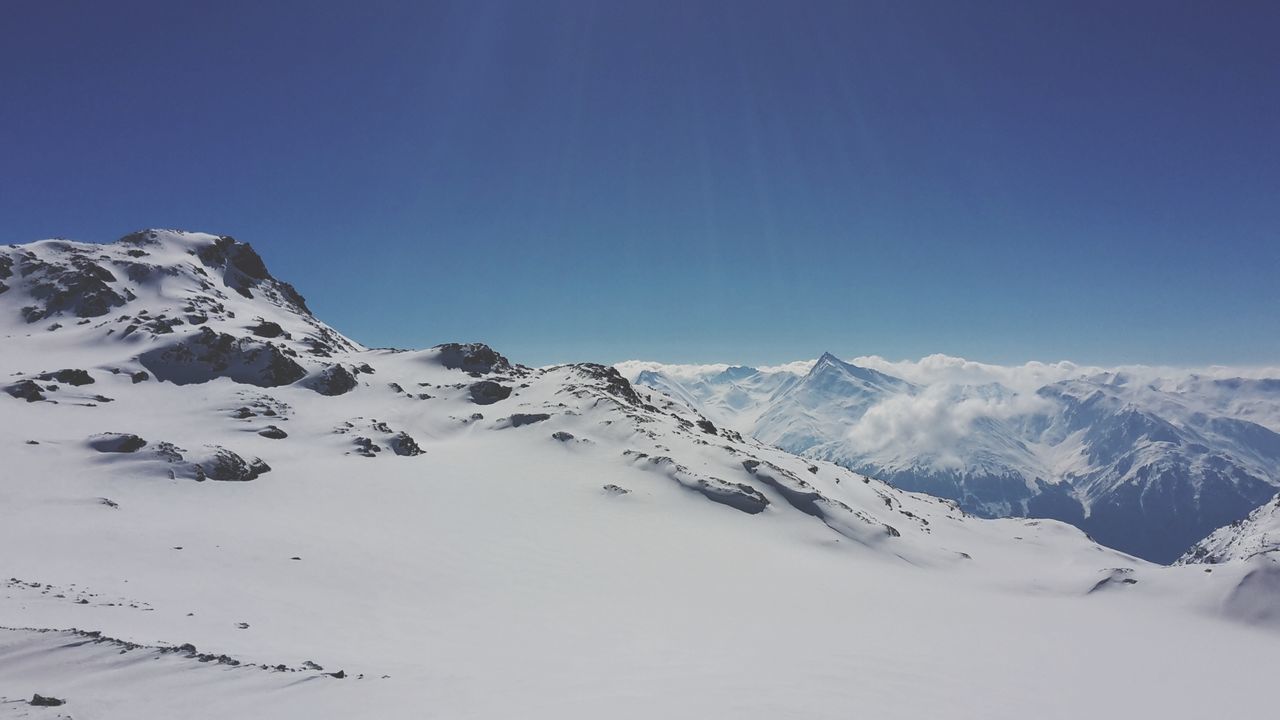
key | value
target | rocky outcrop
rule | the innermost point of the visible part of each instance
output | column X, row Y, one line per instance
column 117, row 443
column 611, row 381
column 39, row 700
column 80, row 287
column 738, row 496
column 333, row 380
column 475, row 358
column 208, row 355
column 225, row 465
column 803, row 496
column 403, row 444
column 487, row 392
column 522, row 419
column 268, row 329
column 26, row 390
column 68, row 376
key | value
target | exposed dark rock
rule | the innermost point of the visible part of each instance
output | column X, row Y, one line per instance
column 1114, row 577
column 615, row 489
column 208, row 355
column 739, row 496
column 807, row 499
column 472, row 358
column 140, row 376
column 225, row 465
column 403, row 444
column 242, row 413
column 333, row 380
column 80, row 287
column 168, row 452
column 117, row 443
column 611, row 381
column 242, row 270
column 267, row 329
column 39, row 700
column 562, row 436
column 272, row 432
column 487, row 392
column 26, row 390
column 706, row 426
column 520, row 419
column 366, row 447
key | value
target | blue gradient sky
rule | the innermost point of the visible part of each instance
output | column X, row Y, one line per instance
column 686, row 181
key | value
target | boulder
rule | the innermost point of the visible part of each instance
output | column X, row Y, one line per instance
column 267, row 329
column 117, row 443
column 333, row 380
column 520, row 419
column 26, row 390
column 403, row 444
column 487, row 392
column 69, row 376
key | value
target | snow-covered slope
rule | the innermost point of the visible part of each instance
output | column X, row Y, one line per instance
column 1145, row 461
column 194, row 532
column 1252, row 544
column 1258, row 534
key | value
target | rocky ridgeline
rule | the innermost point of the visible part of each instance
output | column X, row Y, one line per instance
column 188, row 309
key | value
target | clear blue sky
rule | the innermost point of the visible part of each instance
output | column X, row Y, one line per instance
column 685, row 181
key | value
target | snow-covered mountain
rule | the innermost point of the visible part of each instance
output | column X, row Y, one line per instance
column 1145, row 461
column 214, row 505
column 1254, row 536
column 1254, row 544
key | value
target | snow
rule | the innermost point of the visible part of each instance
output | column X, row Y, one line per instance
column 996, row 437
column 496, row 576
column 1256, row 535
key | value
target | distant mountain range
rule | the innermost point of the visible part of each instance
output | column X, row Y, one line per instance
column 1147, row 461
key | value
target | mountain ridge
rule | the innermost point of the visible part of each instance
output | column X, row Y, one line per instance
column 402, row 531
column 1146, row 466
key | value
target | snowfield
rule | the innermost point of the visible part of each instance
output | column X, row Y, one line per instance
column 445, row 534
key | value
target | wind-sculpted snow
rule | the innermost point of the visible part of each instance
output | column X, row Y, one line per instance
column 738, row 496
column 447, row 533
column 805, row 498
column 1145, row 460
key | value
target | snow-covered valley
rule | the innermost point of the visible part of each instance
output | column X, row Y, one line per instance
column 213, row 505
